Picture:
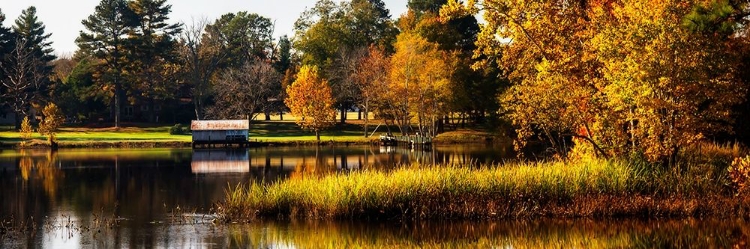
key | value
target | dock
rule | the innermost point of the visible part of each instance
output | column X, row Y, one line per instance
column 410, row 141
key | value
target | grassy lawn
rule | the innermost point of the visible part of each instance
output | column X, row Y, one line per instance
column 274, row 131
column 126, row 134
column 262, row 131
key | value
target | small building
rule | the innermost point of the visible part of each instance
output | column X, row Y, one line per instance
column 224, row 132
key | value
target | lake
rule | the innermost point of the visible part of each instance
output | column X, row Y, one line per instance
column 165, row 198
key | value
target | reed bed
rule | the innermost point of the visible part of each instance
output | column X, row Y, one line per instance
column 586, row 188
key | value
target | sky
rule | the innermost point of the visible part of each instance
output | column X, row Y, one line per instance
column 63, row 18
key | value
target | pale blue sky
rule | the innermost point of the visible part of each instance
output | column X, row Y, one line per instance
column 63, row 17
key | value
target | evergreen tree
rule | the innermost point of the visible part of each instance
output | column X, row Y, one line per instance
column 106, row 36
column 152, row 53
column 31, row 32
column 6, row 46
column 6, row 38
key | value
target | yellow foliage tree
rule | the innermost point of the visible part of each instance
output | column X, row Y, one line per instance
column 26, row 129
column 53, row 118
column 309, row 99
column 619, row 76
column 419, row 82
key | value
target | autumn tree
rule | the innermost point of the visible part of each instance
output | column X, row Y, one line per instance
column 371, row 78
column 106, row 36
column 619, row 77
column 244, row 92
column 26, row 129
column 310, row 100
column 332, row 35
column 418, row 82
column 53, row 118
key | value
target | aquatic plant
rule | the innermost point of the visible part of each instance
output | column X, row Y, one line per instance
column 594, row 187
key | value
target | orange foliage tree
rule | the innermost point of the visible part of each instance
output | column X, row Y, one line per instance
column 418, row 82
column 619, row 76
column 371, row 77
column 309, row 99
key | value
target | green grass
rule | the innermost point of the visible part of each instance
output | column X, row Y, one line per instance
column 570, row 189
column 282, row 132
column 288, row 132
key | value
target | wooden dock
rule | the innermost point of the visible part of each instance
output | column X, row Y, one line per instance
column 411, row 141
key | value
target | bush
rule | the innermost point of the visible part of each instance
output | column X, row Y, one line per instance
column 26, row 129
column 53, row 118
column 179, row 129
column 739, row 172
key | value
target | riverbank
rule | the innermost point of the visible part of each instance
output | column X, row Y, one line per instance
column 585, row 188
column 266, row 133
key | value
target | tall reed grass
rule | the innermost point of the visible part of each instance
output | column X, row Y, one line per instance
column 591, row 187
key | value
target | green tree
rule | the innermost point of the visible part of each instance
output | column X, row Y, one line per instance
column 283, row 60
column 152, row 54
column 32, row 31
column 79, row 95
column 331, row 36
column 105, row 40
column 310, row 100
column 6, row 47
column 241, row 38
column 6, row 38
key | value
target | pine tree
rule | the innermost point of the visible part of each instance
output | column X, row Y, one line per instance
column 6, row 38
column 152, row 52
column 107, row 34
column 28, row 28
column 31, row 32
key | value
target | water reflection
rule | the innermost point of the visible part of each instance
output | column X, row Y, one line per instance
column 128, row 198
column 542, row 233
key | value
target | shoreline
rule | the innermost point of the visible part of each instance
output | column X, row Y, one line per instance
column 40, row 144
column 595, row 188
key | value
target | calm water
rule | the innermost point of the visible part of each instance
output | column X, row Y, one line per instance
column 164, row 198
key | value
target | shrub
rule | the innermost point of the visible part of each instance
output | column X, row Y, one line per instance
column 53, row 118
column 739, row 173
column 26, row 129
column 179, row 129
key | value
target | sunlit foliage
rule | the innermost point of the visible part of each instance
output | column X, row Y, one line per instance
column 419, row 82
column 309, row 98
column 620, row 76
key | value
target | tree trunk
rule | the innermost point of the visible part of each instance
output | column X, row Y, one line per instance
column 268, row 116
column 17, row 121
column 317, row 136
column 366, row 119
column 197, row 109
column 151, row 110
column 117, row 103
column 343, row 114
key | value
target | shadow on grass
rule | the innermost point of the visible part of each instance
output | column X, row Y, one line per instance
column 290, row 129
